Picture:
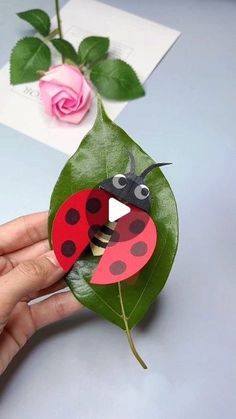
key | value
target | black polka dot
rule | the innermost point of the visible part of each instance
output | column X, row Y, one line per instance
column 118, row 267
column 139, row 249
column 114, row 238
column 72, row 216
column 137, row 226
column 93, row 230
column 93, row 205
column 68, row 248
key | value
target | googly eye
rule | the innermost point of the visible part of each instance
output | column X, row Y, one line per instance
column 141, row 192
column 119, row 181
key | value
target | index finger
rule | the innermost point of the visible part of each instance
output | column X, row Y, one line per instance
column 23, row 231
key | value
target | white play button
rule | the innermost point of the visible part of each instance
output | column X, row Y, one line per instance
column 116, row 209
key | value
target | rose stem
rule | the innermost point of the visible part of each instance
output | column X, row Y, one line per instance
column 128, row 332
column 59, row 22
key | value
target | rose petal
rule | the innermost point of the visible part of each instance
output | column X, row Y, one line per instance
column 86, row 89
column 57, row 112
column 63, row 108
column 47, row 91
column 73, row 118
column 70, row 104
column 65, row 93
column 77, row 116
column 65, row 75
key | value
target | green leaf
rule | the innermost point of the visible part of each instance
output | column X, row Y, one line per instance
column 66, row 49
column 115, row 79
column 29, row 56
column 92, row 49
column 38, row 19
column 103, row 153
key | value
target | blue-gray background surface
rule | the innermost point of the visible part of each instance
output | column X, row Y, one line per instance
column 82, row 368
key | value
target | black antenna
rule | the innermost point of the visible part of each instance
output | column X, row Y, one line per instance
column 150, row 168
column 132, row 162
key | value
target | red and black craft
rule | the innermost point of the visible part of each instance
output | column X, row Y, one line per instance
column 82, row 219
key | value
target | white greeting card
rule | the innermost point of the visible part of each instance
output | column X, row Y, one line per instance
column 140, row 42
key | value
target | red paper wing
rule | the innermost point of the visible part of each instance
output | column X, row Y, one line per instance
column 76, row 222
column 130, row 248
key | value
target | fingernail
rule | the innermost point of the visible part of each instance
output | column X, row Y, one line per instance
column 51, row 256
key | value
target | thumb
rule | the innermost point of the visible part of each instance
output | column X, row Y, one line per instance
column 28, row 277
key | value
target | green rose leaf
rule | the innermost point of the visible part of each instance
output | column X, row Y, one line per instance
column 38, row 19
column 115, row 79
column 102, row 154
column 29, row 56
column 66, row 49
column 92, row 49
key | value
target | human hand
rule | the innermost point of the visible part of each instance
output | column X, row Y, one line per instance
column 28, row 270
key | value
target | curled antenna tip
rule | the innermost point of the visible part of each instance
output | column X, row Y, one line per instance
column 150, row 168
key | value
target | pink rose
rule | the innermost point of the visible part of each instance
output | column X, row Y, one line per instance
column 65, row 93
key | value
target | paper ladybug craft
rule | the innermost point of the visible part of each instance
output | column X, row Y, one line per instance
column 113, row 220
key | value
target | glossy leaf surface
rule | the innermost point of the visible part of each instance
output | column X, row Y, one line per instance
column 38, row 19
column 116, row 79
column 93, row 48
column 28, row 58
column 66, row 49
column 103, row 153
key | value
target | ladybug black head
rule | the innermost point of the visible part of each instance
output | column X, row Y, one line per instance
column 129, row 187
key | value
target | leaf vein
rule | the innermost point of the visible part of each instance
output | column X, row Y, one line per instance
column 28, row 64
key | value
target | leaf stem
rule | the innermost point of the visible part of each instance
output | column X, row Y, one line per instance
column 128, row 332
column 51, row 35
column 59, row 23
